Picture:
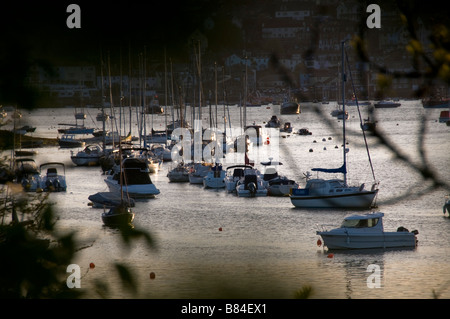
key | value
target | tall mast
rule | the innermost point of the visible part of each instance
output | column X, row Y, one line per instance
column 343, row 110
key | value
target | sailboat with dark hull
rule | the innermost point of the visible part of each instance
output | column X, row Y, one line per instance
column 334, row 193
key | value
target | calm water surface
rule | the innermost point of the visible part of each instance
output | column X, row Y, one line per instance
column 267, row 247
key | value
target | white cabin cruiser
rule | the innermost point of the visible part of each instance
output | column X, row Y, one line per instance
column 135, row 177
column 366, row 231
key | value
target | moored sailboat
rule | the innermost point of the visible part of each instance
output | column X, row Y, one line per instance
column 334, row 193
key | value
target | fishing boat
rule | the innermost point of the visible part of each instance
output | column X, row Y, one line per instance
column 215, row 177
column 136, row 179
column 366, row 231
column 334, row 193
column 251, row 184
column 89, row 156
column 53, row 177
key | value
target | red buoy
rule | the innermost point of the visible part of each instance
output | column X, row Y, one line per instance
column 152, row 275
column 319, row 242
column 91, row 265
column 220, row 228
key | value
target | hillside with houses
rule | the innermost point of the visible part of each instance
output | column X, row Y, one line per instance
column 267, row 49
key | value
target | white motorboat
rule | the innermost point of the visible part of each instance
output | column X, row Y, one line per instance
column 26, row 173
column 198, row 172
column 233, row 174
column 215, row 177
column 277, row 185
column 251, row 185
column 89, row 156
column 53, row 177
column 367, row 231
column 335, row 193
column 136, row 179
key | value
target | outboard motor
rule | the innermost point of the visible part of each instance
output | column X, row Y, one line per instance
column 252, row 188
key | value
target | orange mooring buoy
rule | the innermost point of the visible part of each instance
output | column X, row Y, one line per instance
column 220, row 228
column 91, row 265
column 330, row 256
column 319, row 242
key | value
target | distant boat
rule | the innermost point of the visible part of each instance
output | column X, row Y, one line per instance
column 386, row 104
column 89, row 156
column 367, row 232
column 444, row 116
column 436, row 102
column 215, row 177
column 76, row 130
column 70, row 141
column 368, row 125
column 287, row 127
column 274, row 122
column 290, row 107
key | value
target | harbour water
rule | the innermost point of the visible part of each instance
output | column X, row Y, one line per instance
column 212, row 244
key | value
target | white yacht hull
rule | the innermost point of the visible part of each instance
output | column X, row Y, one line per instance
column 358, row 200
column 365, row 241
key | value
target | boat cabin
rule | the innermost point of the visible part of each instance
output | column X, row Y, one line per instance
column 327, row 187
column 373, row 220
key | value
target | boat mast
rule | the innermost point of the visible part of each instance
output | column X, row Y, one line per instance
column 343, row 110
